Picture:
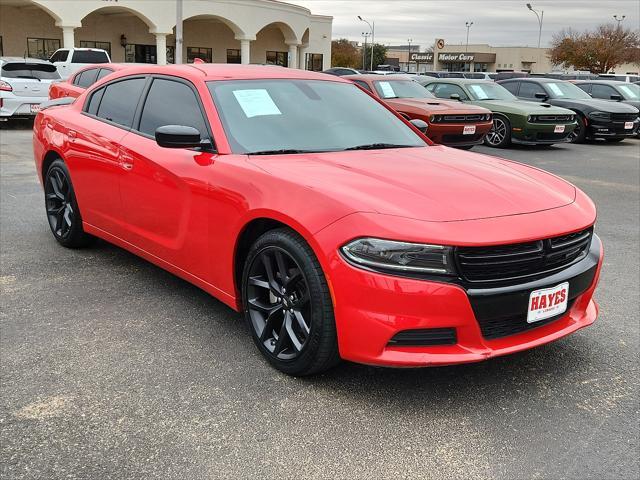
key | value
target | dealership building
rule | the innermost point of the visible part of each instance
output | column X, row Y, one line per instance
column 143, row 31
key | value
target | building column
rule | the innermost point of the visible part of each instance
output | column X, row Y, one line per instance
column 245, row 48
column 302, row 56
column 161, row 48
column 293, row 55
column 68, row 37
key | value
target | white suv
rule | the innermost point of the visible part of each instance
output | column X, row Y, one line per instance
column 70, row 60
column 24, row 85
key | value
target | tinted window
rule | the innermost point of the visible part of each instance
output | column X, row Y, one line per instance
column 400, row 89
column 362, row 84
column 86, row 78
column 511, row 86
column 603, row 91
column 529, row 90
column 585, row 86
column 304, row 115
column 59, row 56
column 119, row 101
column 89, row 56
column 103, row 73
column 171, row 103
column 445, row 90
column 38, row 71
column 94, row 102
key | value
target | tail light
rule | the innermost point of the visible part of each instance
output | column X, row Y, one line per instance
column 5, row 87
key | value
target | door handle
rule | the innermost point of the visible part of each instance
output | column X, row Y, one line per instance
column 126, row 161
column 72, row 135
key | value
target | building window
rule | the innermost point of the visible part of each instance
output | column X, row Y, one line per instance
column 233, row 56
column 171, row 54
column 480, row 67
column 101, row 45
column 278, row 58
column 202, row 53
column 42, row 47
column 314, row 62
column 134, row 53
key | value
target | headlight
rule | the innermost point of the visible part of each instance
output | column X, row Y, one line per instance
column 530, row 118
column 381, row 254
column 600, row 115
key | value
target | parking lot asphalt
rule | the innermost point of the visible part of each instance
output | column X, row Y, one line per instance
column 112, row 368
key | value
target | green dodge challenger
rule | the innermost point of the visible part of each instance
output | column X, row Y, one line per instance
column 514, row 121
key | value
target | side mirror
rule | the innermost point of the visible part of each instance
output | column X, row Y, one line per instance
column 616, row 97
column 454, row 96
column 542, row 96
column 179, row 136
column 420, row 125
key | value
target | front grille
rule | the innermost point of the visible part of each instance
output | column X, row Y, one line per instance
column 469, row 118
column 522, row 260
column 424, row 337
column 499, row 327
column 551, row 118
column 624, row 117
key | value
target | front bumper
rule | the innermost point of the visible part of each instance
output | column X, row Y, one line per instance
column 371, row 308
column 599, row 129
column 541, row 133
column 452, row 135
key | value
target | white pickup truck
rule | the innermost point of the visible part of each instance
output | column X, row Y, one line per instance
column 70, row 60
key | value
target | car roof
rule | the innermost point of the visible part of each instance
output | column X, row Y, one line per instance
column 227, row 71
column 380, row 78
column 454, row 80
column 22, row 59
column 603, row 82
column 534, row 80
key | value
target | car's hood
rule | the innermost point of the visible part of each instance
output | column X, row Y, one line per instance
column 522, row 107
column 596, row 104
column 633, row 103
column 434, row 105
column 433, row 183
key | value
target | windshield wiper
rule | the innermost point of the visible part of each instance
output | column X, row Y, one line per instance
column 282, row 151
column 378, row 146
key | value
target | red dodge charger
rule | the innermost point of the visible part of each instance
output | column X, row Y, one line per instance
column 327, row 219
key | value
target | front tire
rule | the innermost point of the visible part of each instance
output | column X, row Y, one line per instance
column 500, row 134
column 62, row 209
column 287, row 305
column 579, row 134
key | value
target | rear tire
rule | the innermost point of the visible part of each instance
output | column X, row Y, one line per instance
column 287, row 305
column 62, row 209
column 500, row 134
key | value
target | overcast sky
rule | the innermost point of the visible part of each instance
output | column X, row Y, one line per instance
column 496, row 22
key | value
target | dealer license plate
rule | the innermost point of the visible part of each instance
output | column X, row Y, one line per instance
column 628, row 125
column 35, row 107
column 559, row 129
column 469, row 130
column 548, row 302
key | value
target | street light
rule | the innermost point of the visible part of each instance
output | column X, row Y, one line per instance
column 373, row 30
column 364, row 49
column 409, row 40
column 619, row 19
column 468, row 25
column 540, row 19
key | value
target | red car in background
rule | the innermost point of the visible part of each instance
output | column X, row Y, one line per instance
column 77, row 83
column 327, row 219
column 450, row 123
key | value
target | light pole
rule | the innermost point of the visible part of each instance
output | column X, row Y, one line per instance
column 540, row 19
column 468, row 25
column 364, row 49
column 619, row 19
column 409, row 40
column 178, row 53
column 373, row 32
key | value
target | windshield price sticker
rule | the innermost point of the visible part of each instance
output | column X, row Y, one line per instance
column 555, row 88
column 257, row 102
column 479, row 92
column 387, row 90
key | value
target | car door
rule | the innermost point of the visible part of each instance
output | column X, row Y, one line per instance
column 603, row 91
column 445, row 90
column 94, row 156
column 529, row 90
column 163, row 191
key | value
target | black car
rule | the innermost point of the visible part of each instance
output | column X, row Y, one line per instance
column 612, row 90
column 341, row 71
column 612, row 121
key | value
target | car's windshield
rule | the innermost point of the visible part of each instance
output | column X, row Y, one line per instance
column 292, row 116
column 401, row 89
column 566, row 90
column 37, row 71
column 489, row 91
column 630, row 92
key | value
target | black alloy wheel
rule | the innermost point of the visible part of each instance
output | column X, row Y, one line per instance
column 62, row 209
column 287, row 304
column 500, row 133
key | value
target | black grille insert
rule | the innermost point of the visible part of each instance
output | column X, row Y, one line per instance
column 522, row 260
column 424, row 337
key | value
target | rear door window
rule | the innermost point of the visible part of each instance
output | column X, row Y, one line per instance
column 529, row 90
column 119, row 101
column 511, row 86
column 103, row 73
column 445, row 90
column 171, row 103
column 603, row 91
column 86, row 78
column 89, row 56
